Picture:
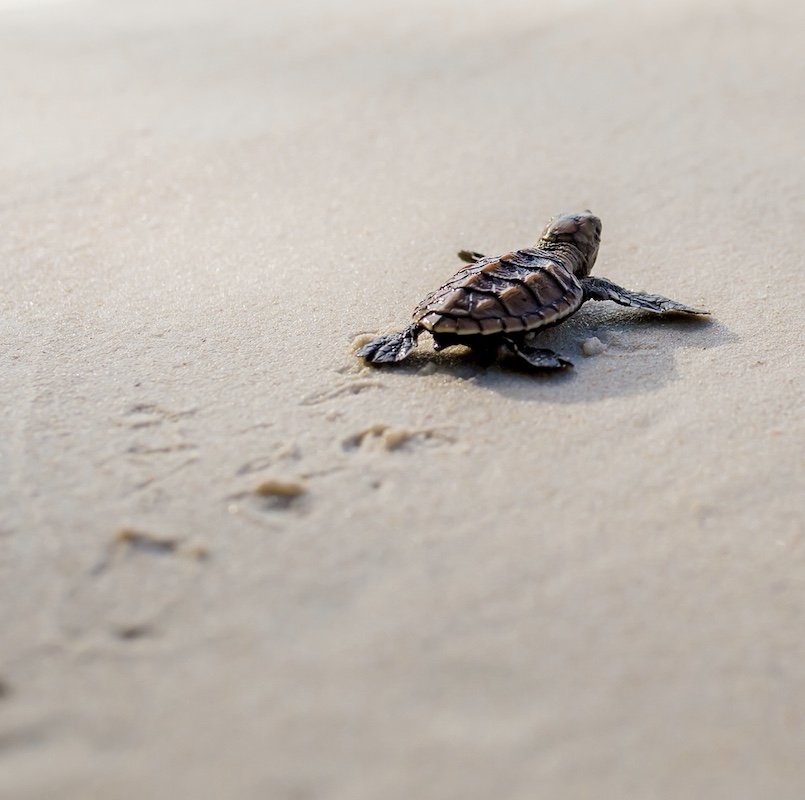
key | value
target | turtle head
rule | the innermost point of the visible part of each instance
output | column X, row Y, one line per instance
column 582, row 230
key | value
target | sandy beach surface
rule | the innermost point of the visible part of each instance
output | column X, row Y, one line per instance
column 236, row 562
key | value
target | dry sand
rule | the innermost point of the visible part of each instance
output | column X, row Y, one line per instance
column 237, row 563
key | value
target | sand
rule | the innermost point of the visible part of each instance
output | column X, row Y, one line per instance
column 238, row 563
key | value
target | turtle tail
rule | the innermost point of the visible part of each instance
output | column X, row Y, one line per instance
column 388, row 349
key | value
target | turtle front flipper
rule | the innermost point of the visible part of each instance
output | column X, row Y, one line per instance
column 388, row 349
column 539, row 357
column 470, row 256
column 603, row 289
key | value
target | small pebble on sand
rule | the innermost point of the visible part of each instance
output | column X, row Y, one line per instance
column 396, row 438
column 139, row 540
column 593, row 346
column 274, row 488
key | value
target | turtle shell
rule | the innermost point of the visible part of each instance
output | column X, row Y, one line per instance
column 522, row 291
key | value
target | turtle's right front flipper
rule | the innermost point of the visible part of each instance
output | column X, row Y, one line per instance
column 388, row 349
column 603, row 289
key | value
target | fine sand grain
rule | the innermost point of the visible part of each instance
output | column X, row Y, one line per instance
column 235, row 562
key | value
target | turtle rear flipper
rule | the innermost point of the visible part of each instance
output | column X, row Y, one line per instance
column 388, row 349
column 470, row 256
column 539, row 357
column 603, row 289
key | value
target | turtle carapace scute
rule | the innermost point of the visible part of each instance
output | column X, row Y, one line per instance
column 504, row 300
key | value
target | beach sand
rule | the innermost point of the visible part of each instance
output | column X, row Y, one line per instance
column 236, row 562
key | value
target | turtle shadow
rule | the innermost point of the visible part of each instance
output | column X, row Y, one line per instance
column 638, row 357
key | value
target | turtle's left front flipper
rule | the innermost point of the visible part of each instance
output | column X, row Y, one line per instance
column 388, row 349
column 603, row 289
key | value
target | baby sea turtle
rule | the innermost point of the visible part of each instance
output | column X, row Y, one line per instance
column 503, row 300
